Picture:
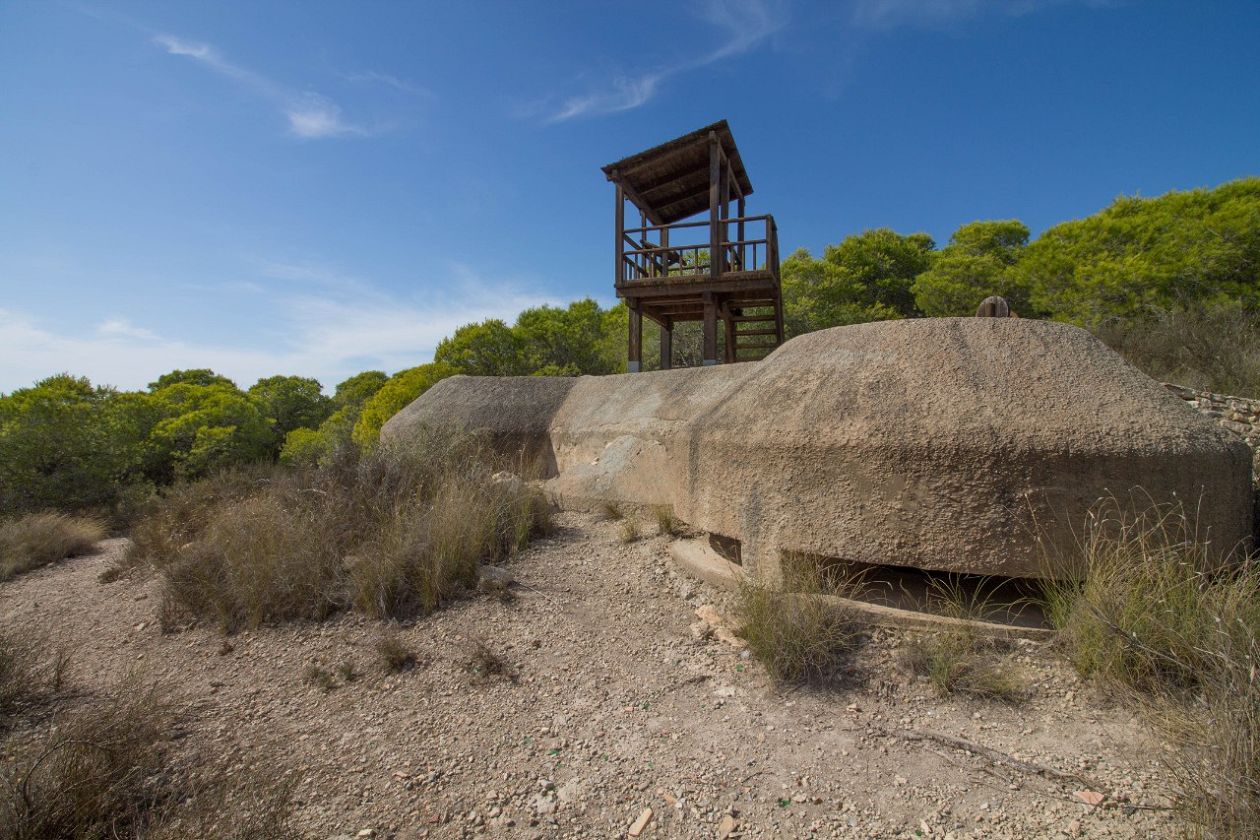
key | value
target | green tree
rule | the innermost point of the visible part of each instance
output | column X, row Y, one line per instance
column 1143, row 257
column 192, row 376
column 564, row 339
column 207, row 427
column 399, row 391
column 865, row 278
column 291, row 402
column 66, row 445
column 977, row 262
column 490, row 348
column 356, row 390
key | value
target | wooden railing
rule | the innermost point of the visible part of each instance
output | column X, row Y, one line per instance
column 685, row 249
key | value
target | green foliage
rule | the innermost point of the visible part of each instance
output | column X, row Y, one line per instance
column 864, row 278
column 400, row 390
column 359, row 388
column 207, row 427
column 195, row 376
column 1144, row 256
column 292, row 402
column 490, row 348
column 976, row 263
column 67, row 445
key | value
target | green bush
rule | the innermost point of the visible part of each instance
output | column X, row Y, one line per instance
column 396, row 394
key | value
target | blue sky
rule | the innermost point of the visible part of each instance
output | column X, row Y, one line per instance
column 317, row 189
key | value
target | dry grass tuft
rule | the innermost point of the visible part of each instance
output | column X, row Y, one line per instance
column 395, row 656
column 667, row 525
column 94, row 774
column 1151, row 617
column 37, row 539
column 798, row 635
column 630, row 531
column 484, row 664
column 317, row 676
column 611, row 511
column 31, row 670
column 960, row 661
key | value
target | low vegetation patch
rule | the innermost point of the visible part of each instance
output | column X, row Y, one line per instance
column 394, row 654
column 484, row 664
column 630, row 531
column 394, row 533
column 667, row 525
column 1153, row 618
column 31, row 670
column 960, row 660
column 110, row 767
column 37, row 539
column 795, row 631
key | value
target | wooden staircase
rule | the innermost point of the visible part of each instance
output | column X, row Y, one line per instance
column 753, row 330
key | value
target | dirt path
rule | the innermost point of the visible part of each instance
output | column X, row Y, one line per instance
column 618, row 708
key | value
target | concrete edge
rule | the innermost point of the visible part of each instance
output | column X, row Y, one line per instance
column 696, row 558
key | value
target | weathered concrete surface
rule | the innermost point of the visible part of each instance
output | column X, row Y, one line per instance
column 957, row 444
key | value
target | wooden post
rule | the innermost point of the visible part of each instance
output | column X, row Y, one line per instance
column 710, row 329
column 715, row 253
column 665, row 254
column 739, row 232
column 621, row 232
column 634, row 361
column 667, row 343
column 729, row 321
column 725, row 233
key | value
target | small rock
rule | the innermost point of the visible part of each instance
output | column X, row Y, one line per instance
column 726, row 827
column 1092, row 798
column 636, row 828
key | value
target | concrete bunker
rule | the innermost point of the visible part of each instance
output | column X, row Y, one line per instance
column 963, row 445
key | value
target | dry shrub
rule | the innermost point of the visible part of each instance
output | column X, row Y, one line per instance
column 37, row 539
column 94, row 774
column 667, row 525
column 960, row 660
column 630, row 531
column 395, row 656
column 1152, row 617
column 31, row 670
column 320, row 677
column 610, row 511
column 799, row 636
column 109, row 769
column 484, row 664
column 395, row 533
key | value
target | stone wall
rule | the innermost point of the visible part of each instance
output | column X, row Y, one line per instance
column 1237, row 414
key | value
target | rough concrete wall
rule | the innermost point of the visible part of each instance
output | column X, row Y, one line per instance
column 957, row 444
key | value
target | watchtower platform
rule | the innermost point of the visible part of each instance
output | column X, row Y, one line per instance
column 724, row 268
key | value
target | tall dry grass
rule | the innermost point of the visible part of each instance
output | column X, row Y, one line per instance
column 37, row 539
column 1154, row 617
column 395, row 532
column 793, row 629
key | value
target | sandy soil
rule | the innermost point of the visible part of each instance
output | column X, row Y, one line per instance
column 617, row 708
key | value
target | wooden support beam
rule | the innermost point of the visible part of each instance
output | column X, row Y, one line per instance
column 634, row 360
column 621, row 234
column 715, row 187
column 710, row 329
column 729, row 325
column 667, row 344
column 628, row 192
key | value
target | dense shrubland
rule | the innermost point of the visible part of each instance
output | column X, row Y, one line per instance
column 393, row 532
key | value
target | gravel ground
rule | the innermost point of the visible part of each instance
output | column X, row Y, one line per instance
column 614, row 705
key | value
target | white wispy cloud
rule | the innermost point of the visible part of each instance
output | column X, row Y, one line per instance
column 309, row 115
column 327, row 331
column 391, row 81
column 891, row 14
column 744, row 23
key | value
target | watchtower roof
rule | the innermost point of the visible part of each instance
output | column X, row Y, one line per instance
column 670, row 182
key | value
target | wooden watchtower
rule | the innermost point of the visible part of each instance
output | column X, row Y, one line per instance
column 723, row 268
